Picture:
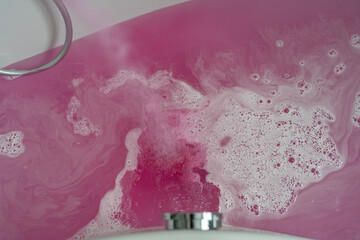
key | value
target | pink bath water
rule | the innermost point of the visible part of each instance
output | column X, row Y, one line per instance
column 250, row 108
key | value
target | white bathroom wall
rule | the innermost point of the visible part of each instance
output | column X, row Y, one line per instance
column 29, row 27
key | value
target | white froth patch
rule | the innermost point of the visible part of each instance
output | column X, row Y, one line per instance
column 160, row 79
column 11, row 144
column 120, row 79
column 187, row 96
column 104, row 223
column 279, row 43
column 82, row 125
column 332, row 53
column 355, row 41
column 181, row 93
column 270, row 155
column 85, row 127
column 339, row 69
column 77, row 81
column 355, row 118
column 74, row 105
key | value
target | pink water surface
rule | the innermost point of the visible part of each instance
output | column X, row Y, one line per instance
column 250, row 108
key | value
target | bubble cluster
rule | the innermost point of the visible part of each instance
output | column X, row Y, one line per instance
column 85, row 127
column 187, row 96
column 355, row 41
column 11, row 144
column 355, row 118
column 176, row 90
column 269, row 155
column 303, row 87
column 82, row 125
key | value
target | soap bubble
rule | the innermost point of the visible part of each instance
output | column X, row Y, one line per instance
column 279, row 43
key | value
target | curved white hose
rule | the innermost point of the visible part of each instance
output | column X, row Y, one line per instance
column 59, row 57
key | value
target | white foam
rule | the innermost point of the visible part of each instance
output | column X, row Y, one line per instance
column 182, row 94
column 77, row 81
column 74, row 103
column 187, row 96
column 104, row 222
column 355, row 117
column 339, row 69
column 279, row 43
column 85, row 127
column 271, row 155
column 81, row 124
column 11, row 144
column 120, row 79
column 160, row 79
column 355, row 41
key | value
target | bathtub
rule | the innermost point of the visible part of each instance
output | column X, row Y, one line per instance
column 247, row 108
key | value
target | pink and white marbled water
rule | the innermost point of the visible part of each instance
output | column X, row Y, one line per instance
column 250, row 108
